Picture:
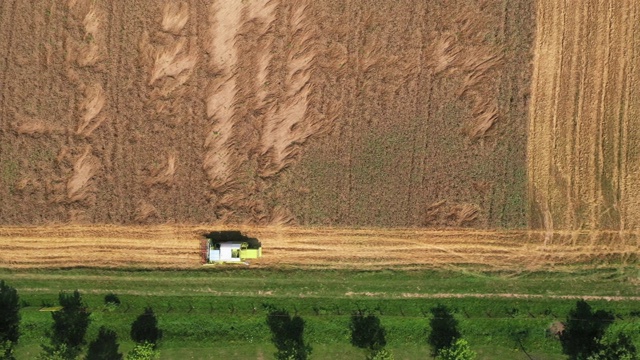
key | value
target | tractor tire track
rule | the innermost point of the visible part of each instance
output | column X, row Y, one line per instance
column 416, row 170
column 576, row 32
column 611, row 113
column 6, row 34
column 632, row 114
column 579, row 110
column 415, row 200
column 602, row 70
column 120, row 178
column 348, row 198
column 109, row 158
column 57, row 34
column 189, row 146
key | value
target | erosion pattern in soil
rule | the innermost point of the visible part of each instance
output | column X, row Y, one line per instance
column 180, row 247
column 398, row 113
column 584, row 132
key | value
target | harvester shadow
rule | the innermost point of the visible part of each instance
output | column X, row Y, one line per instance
column 232, row 236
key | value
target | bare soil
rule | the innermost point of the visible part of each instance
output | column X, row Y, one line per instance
column 393, row 113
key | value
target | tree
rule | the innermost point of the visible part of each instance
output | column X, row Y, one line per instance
column 105, row 346
column 444, row 329
column 287, row 334
column 145, row 328
column 9, row 319
column 366, row 331
column 459, row 350
column 620, row 347
column 70, row 323
column 143, row 351
column 583, row 331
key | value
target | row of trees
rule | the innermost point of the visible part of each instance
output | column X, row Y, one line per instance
column 66, row 337
column 70, row 323
column 584, row 336
column 367, row 333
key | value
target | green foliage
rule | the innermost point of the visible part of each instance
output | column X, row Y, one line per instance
column 6, row 350
column 583, row 331
column 459, row 350
column 111, row 299
column 380, row 354
column 145, row 328
column 520, row 335
column 70, row 323
column 105, row 346
column 195, row 319
column 60, row 352
column 143, row 351
column 620, row 347
column 366, row 331
column 287, row 334
column 9, row 314
column 444, row 329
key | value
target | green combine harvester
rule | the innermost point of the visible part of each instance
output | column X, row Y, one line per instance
column 230, row 247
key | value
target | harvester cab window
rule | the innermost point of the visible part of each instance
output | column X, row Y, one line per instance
column 235, row 253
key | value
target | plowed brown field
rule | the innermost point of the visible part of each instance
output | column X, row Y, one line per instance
column 179, row 247
column 349, row 113
column 584, row 132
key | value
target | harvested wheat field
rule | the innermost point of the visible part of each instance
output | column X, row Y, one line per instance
column 179, row 247
column 584, row 132
column 343, row 113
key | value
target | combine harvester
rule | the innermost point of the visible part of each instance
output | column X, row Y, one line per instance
column 222, row 247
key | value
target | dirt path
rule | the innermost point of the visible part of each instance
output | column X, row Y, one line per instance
column 504, row 296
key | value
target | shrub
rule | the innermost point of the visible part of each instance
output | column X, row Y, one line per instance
column 459, row 350
column 111, row 299
column 143, row 351
column 620, row 347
